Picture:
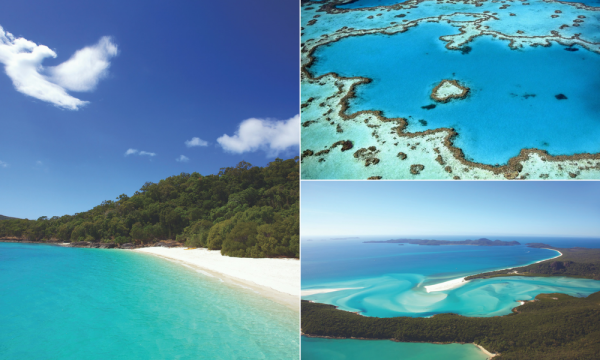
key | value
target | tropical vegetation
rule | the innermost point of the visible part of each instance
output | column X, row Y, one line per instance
column 244, row 211
column 554, row 326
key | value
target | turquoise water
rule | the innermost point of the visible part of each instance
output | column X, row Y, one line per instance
column 69, row 303
column 346, row 349
column 512, row 104
column 369, row 3
column 388, row 280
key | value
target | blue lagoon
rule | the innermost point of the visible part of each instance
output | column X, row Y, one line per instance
column 370, row 74
column 116, row 304
column 387, row 280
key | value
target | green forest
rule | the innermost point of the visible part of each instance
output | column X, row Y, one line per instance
column 244, row 211
column 555, row 326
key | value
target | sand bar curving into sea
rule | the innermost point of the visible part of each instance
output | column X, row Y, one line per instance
column 454, row 283
column 276, row 279
column 446, row 285
column 323, row 291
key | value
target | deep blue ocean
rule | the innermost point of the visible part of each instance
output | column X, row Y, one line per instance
column 71, row 303
column 512, row 104
column 387, row 280
column 369, row 3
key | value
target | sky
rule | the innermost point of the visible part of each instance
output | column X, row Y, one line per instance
column 450, row 208
column 99, row 97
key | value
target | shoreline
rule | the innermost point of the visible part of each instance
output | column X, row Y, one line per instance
column 324, row 291
column 491, row 355
column 446, row 285
column 454, row 283
column 275, row 279
column 486, row 352
column 228, row 270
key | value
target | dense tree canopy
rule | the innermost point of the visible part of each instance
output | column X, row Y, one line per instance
column 244, row 211
column 555, row 326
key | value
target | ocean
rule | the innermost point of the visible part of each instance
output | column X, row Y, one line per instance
column 388, row 280
column 73, row 303
column 512, row 104
column 537, row 95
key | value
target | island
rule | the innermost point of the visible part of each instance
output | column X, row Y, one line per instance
column 447, row 90
column 479, row 242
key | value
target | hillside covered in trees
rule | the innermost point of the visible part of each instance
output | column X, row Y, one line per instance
column 244, row 211
column 555, row 326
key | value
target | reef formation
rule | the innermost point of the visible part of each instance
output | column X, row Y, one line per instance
column 447, row 90
column 430, row 154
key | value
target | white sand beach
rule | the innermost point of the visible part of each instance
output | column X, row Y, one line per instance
column 276, row 279
column 446, row 285
column 323, row 291
column 491, row 355
column 454, row 283
column 550, row 258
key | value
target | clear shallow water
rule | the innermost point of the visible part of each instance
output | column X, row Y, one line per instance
column 512, row 104
column 69, row 303
column 391, row 278
column 347, row 349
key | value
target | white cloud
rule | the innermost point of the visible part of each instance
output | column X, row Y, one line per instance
column 23, row 59
column 86, row 67
column 3, row 164
column 137, row 152
column 196, row 141
column 39, row 162
column 271, row 136
column 182, row 158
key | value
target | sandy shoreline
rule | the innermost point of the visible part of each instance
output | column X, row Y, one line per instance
column 446, row 285
column 276, row 279
column 323, row 291
column 491, row 355
column 454, row 283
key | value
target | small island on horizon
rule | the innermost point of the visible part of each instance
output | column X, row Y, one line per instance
column 478, row 242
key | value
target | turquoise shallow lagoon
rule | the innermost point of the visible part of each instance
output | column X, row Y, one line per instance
column 69, row 303
column 388, row 280
column 346, row 349
column 512, row 104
